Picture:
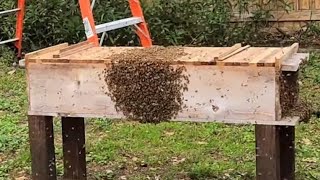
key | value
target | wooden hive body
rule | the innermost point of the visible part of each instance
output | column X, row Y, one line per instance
column 230, row 84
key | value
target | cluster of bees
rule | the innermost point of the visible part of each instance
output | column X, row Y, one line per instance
column 145, row 86
column 291, row 104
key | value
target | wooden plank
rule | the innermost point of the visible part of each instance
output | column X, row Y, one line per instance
column 294, row 5
column 317, row 5
column 75, row 46
column 229, row 51
column 266, row 54
column 203, row 55
column 287, row 53
column 271, row 59
column 42, row 147
column 74, row 153
column 267, row 153
column 197, row 56
column 276, row 5
column 94, row 53
column 294, row 16
column 288, row 27
column 73, row 49
column 194, row 56
column 304, row 5
column 70, row 52
column 287, row 152
column 233, row 53
column 249, row 97
column 290, row 64
column 293, row 63
column 243, row 58
column 279, row 57
column 78, row 56
column 45, row 50
column 284, row 16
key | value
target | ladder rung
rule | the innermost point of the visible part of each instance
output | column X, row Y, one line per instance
column 117, row 24
column 9, row 11
column 9, row 40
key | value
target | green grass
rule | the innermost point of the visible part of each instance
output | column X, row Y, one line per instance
column 167, row 150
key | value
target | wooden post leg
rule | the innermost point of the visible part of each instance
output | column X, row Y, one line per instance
column 287, row 152
column 275, row 152
column 267, row 153
column 74, row 154
column 42, row 147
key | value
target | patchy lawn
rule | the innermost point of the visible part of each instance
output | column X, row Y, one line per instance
column 144, row 151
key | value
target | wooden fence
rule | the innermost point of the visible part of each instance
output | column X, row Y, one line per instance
column 289, row 15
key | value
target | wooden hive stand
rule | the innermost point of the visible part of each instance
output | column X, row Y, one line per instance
column 243, row 83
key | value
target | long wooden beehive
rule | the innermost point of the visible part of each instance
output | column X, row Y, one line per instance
column 241, row 83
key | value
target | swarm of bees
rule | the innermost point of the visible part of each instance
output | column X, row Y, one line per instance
column 289, row 90
column 291, row 104
column 145, row 86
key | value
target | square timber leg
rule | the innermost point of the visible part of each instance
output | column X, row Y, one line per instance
column 42, row 147
column 74, row 153
column 275, row 152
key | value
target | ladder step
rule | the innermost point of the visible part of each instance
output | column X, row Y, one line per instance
column 9, row 40
column 9, row 11
column 117, row 24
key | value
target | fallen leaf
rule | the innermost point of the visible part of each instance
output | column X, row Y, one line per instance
column 227, row 175
column 123, row 177
column 21, row 178
column 309, row 160
column 157, row 177
column 176, row 160
column 202, row 143
column 143, row 164
column 11, row 72
column 306, row 141
column 108, row 171
column 168, row 133
column 135, row 159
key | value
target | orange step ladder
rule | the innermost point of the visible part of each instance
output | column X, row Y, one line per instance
column 20, row 11
column 137, row 21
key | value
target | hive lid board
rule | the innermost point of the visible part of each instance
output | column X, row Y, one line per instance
column 222, row 56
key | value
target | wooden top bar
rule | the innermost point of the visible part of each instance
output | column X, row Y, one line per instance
column 222, row 56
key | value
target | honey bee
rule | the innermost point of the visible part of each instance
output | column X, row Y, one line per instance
column 145, row 86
